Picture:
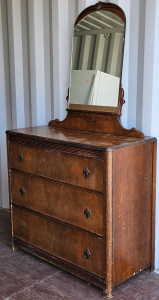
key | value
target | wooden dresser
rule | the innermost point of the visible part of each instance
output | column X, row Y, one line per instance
column 84, row 201
column 82, row 191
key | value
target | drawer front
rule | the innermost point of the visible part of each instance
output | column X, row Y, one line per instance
column 60, row 240
column 75, row 206
column 58, row 165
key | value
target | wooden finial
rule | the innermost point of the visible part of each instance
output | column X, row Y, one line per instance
column 99, row 5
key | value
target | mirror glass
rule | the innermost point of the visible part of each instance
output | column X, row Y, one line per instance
column 97, row 62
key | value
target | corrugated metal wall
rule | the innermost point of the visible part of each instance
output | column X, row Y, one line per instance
column 102, row 57
column 98, row 43
column 35, row 54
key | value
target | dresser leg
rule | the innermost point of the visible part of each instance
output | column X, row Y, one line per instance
column 107, row 294
column 13, row 245
column 150, row 269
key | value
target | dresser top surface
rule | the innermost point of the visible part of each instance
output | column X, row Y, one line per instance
column 78, row 138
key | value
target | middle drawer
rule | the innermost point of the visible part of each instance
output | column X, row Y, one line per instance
column 75, row 206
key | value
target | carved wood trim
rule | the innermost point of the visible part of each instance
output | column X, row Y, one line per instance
column 102, row 6
column 121, row 100
column 53, row 147
column 99, row 5
column 90, row 117
column 96, row 122
column 92, row 278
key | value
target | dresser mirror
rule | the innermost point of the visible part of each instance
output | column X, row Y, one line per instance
column 96, row 95
column 97, row 55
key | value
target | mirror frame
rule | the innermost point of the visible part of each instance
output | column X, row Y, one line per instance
column 105, row 6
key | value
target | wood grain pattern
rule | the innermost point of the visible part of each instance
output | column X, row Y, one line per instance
column 152, row 206
column 82, row 139
column 59, row 201
column 109, row 223
column 102, row 6
column 95, row 122
column 48, row 216
column 58, row 165
column 63, row 264
column 52, row 147
column 60, row 240
column 36, row 279
column 131, row 211
column 93, row 108
column 121, row 196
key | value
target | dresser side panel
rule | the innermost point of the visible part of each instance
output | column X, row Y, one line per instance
column 131, row 211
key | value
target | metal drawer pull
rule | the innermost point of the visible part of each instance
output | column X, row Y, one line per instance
column 20, row 156
column 22, row 191
column 86, row 172
column 87, row 213
column 87, row 253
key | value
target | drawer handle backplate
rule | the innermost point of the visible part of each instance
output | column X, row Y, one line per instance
column 20, row 156
column 22, row 191
column 87, row 213
column 87, row 253
column 86, row 172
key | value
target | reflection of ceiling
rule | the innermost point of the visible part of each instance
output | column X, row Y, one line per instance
column 98, row 43
column 100, row 20
column 98, row 52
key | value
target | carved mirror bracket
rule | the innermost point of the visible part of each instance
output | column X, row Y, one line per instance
column 95, row 122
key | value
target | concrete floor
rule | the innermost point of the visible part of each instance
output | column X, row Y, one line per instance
column 25, row 277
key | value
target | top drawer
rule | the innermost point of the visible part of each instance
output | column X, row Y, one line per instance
column 57, row 165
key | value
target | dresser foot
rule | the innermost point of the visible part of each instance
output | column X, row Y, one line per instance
column 150, row 269
column 13, row 245
column 107, row 294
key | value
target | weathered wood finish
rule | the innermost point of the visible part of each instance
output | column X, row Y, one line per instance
column 109, row 223
column 98, row 224
column 102, row 6
column 131, row 211
column 58, row 165
column 152, row 205
column 47, row 137
column 96, row 122
column 64, row 203
column 49, row 221
column 59, row 262
column 62, row 241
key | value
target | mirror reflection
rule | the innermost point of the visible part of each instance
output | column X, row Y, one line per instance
column 97, row 61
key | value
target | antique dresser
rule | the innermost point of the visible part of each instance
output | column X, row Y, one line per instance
column 82, row 191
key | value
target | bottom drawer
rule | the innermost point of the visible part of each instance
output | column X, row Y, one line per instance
column 58, row 239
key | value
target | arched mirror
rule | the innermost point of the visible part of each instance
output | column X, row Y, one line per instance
column 97, row 56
